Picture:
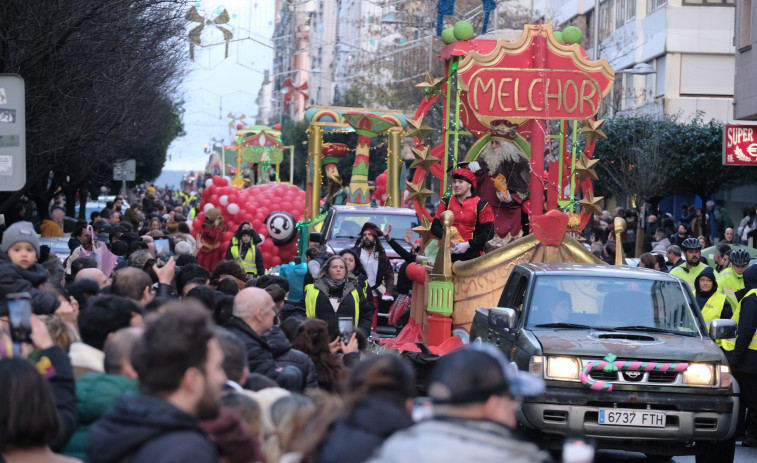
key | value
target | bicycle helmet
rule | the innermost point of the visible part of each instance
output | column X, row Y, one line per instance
column 691, row 243
column 740, row 257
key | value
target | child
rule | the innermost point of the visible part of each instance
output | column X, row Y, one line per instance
column 19, row 270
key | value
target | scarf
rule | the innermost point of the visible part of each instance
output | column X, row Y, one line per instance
column 337, row 289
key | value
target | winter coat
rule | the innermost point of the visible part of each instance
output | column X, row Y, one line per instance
column 661, row 246
column 385, row 273
column 703, row 297
column 356, row 437
column 447, row 440
column 284, row 355
column 324, row 310
column 260, row 357
column 16, row 279
column 742, row 358
column 63, row 387
column 404, row 285
column 95, row 393
column 144, row 428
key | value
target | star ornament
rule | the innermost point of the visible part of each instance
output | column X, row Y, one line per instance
column 424, row 231
column 585, row 168
column 418, row 128
column 590, row 203
column 423, row 159
column 593, row 130
column 417, row 192
column 432, row 85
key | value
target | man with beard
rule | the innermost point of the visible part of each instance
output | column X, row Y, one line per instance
column 377, row 266
column 474, row 218
column 180, row 368
column 689, row 271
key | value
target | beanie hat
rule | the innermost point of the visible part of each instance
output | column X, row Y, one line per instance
column 20, row 232
column 464, row 174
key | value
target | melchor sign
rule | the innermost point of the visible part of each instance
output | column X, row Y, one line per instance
column 534, row 77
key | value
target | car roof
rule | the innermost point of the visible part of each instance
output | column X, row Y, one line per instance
column 597, row 270
column 375, row 210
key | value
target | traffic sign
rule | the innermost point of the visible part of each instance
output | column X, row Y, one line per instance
column 12, row 132
column 740, row 145
column 125, row 170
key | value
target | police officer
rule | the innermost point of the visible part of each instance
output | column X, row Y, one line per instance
column 743, row 357
column 689, row 271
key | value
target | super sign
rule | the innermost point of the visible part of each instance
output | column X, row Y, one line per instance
column 533, row 78
column 740, row 145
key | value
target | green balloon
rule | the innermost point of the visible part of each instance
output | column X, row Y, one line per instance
column 558, row 36
column 463, row 30
column 572, row 34
column 448, row 36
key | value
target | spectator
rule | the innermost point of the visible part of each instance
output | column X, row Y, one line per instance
column 284, row 355
column 381, row 391
column 179, row 386
column 313, row 339
column 647, row 260
column 79, row 264
column 228, row 286
column 682, row 234
column 728, row 236
column 475, row 410
column 189, row 272
column 253, row 316
column 96, row 392
column 701, row 226
column 104, row 315
column 133, row 284
column 53, row 227
column 203, row 294
column 62, row 333
column 94, row 274
column 56, row 273
column 661, row 242
column 234, row 360
column 720, row 256
column 674, row 256
column 247, row 409
column 287, row 414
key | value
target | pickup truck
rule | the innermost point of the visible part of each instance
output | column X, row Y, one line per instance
column 626, row 356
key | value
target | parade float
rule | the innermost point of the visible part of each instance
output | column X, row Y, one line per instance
column 537, row 93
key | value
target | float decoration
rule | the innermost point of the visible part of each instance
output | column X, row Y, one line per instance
column 609, row 364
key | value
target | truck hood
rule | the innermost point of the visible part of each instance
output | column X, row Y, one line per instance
column 627, row 345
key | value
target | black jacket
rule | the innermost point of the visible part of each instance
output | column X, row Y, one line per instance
column 260, row 357
column 702, row 297
column 16, row 279
column 143, row 428
column 284, row 355
column 324, row 311
column 63, row 386
column 404, row 285
column 742, row 358
column 355, row 437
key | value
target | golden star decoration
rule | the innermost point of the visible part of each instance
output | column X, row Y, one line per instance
column 424, row 231
column 593, row 130
column 432, row 85
column 417, row 192
column 423, row 159
column 590, row 203
column 418, row 128
column 585, row 168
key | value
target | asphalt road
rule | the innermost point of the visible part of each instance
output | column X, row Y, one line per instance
column 743, row 455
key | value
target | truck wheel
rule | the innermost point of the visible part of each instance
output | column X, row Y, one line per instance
column 717, row 452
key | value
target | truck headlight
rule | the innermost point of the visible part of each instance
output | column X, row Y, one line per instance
column 699, row 374
column 565, row 368
column 536, row 366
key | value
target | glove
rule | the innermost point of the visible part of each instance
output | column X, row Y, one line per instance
column 460, row 248
column 474, row 166
column 387, row 297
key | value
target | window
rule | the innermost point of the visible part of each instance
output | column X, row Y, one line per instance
column 625, row 12
column 654, row 5
column 745, row 34
column 708, row 2
column 605, row 19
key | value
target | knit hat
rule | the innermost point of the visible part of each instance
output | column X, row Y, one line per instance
column 464, row 174
column 20, row 232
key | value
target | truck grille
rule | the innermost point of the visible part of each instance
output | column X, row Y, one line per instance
column 629, row 377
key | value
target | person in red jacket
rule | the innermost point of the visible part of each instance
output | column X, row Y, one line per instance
column 474, row 218
column 506, row 205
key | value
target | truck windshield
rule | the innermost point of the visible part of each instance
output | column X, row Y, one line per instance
column 614, row 303
column 348, row 224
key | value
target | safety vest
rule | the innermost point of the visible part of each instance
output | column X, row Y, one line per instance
column 731, row 344
column 248, row 262
column 713, row 308
column 728, row 283
column 311, row 296
column 690, row 274
column 185, row 197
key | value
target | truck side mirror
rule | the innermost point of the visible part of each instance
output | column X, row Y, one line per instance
column 316, row 237
column 723, row 329
column 501, row 318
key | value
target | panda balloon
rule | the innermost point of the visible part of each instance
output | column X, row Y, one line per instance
column 281, row 227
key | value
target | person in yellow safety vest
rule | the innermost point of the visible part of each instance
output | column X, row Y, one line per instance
column 731, row 284
column 246, row 254
column 743, row 358
column 712, row 303
column 337, row 294
column 356, row 268
column 689, row 271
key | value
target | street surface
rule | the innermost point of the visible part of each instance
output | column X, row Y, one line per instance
column 743, row 455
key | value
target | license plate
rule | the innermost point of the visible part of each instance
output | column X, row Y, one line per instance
column 623, row 417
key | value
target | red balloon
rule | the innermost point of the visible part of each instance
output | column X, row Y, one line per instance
column 240, row 126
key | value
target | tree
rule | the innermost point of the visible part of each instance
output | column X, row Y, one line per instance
column 100, row 81
column 636, row 161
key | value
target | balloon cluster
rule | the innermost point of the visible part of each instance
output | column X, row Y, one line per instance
column 380, row 194
column 254, row 204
